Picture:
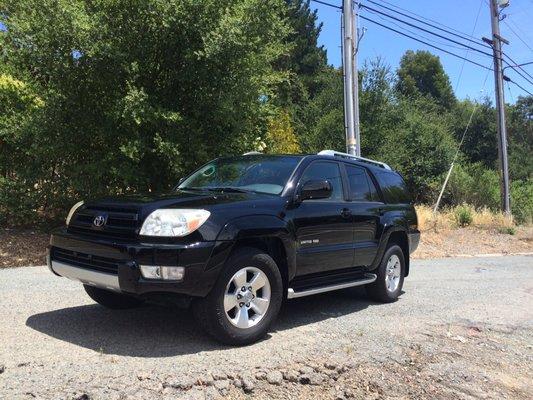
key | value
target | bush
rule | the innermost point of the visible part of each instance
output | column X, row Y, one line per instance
column 475, row 185
column 522, row 201
column 464, row 215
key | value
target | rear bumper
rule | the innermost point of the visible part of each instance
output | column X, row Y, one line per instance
column 114, row 265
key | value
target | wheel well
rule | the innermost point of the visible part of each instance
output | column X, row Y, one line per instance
column 273, row 246
column 400, row 238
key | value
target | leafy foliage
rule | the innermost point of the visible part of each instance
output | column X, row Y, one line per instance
column 464, row 215
column 421, row 73
column 136, row 94
column 113, row 96
column 280, row 135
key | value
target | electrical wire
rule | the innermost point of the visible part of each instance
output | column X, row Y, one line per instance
column 419, row 35
column 527, row 91
column 516, row 65
column 424, row 42
column 461, row 35
column 324, row 3
column 517, row 35
column 426, row 30
column 421, row 16
column 468, row 50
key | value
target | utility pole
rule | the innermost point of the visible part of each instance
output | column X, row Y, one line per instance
column 348, row 53
column 500, row 104
column 355, row 36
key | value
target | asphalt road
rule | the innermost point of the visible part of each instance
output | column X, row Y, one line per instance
column 56, row 343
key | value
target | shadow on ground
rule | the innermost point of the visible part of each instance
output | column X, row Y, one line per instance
column 165, row 332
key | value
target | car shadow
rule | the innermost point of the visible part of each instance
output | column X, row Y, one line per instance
column 153, row 331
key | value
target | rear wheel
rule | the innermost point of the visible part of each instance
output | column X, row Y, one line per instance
column 113, row 300
column 390, row 274
column 245, row 300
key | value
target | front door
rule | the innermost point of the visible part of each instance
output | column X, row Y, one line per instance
column 324, row 230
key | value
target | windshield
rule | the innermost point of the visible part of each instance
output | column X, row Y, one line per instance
column 263, row 174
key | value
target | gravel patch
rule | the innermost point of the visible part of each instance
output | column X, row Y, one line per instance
column 462, row 329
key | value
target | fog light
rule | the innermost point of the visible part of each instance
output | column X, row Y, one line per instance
column 164, row 273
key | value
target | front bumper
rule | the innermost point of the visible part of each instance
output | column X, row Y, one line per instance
column 114, row 264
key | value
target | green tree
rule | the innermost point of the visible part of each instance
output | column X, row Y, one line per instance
column 137, row 93
column 305, row 60
column 520, row 139
column 280, row 135
column 421, row 73
column 420, row 145
column 480, row 144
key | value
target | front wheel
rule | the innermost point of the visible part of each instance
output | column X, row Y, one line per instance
column 390, row 273
column 244, row 301
column 113, row 300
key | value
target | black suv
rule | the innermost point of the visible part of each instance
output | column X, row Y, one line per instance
column 240, row 234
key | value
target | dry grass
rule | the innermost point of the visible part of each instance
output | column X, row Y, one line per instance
column 445, row 219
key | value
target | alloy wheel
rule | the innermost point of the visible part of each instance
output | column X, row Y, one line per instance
column 247, row 297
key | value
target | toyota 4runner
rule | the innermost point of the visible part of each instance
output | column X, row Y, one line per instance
column 241, row 234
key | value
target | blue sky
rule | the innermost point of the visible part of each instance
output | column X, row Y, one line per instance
column 457, row 14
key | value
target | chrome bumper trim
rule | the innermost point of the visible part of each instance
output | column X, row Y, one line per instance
column 93, row 278
column 368, row 278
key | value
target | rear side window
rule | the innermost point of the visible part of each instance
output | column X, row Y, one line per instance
column 325, row 170
column 393, row 187
column 361, row 186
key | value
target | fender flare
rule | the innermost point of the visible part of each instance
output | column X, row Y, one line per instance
column 262, row 226
column 388, row 230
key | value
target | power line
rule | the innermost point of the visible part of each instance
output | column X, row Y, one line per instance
column 419, row 35
column 527, row 91
column 426, row 30
column 424, row 42
column 517, row 35
column 324, row 3
column 461, row 35
column 468, row 50
column 517, row 65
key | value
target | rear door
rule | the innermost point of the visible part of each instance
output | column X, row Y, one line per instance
column 366, row 209
column 323, row 227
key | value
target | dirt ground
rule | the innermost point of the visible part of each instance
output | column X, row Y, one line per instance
column 19, row 248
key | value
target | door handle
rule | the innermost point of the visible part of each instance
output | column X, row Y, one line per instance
column 346, row 213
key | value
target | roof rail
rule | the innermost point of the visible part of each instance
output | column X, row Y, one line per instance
column 334, row 153
column 251, row 153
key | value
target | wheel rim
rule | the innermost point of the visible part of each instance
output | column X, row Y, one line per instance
column 393, row 273
column 247, row 297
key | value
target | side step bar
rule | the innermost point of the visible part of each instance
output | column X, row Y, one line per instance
column 368, row 278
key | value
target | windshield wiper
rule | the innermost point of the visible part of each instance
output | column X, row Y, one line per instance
column 227, row 189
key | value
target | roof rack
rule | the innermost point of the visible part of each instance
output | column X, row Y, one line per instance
column 252, row 153
column 334, row 153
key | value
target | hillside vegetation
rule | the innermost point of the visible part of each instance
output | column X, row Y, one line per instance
column 113, row 96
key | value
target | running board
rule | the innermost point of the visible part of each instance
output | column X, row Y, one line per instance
column 368, row 278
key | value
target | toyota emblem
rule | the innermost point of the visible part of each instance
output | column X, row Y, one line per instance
column 99, row 221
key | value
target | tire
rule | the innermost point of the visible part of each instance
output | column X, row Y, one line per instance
column 241, row 321
column 112, row 300
column 390, row 274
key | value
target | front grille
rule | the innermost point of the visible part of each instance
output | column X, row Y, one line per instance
column 86, row 261
column 120, row 222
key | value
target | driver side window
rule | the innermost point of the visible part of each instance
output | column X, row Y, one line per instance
column 325, row 170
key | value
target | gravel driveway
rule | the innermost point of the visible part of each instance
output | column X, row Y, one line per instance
column 462, row 329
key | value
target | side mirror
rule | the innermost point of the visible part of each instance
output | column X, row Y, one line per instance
column 317, row 189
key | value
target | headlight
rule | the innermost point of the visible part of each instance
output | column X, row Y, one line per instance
column 173, row 222
column 73, row 210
